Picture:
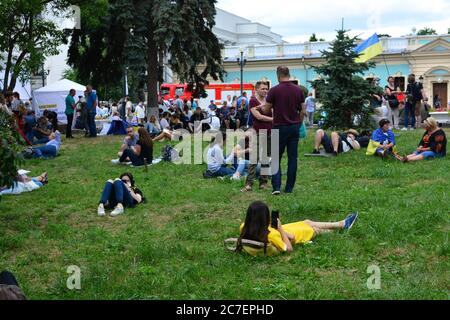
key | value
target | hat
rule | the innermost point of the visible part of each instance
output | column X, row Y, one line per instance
column 22, row 172
column 383, row 122
column 353, row 131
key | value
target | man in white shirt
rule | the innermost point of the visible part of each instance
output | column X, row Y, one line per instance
column 310, row 109
column 213, row 121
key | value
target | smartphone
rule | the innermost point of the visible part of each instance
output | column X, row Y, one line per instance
column 275, row 216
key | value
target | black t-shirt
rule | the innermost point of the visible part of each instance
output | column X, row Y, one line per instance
column 139, row 192
column 146, row 152
column 415, row 90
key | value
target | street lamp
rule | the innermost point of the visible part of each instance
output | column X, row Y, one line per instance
column 241, row 62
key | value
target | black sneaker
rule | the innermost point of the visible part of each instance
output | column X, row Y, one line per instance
column 316, row 151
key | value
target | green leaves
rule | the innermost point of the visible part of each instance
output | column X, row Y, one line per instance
column 9, row 149
column 343, row 92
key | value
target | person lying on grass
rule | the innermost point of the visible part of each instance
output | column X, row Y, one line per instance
column 257, row 227
column 433, row 143
column 141, row 153
column 338, row 143
column 23, row 183
column 119, row 194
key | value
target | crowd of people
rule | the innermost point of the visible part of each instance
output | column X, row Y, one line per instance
column 283, row 108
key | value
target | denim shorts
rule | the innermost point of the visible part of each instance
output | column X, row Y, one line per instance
column 427, row 155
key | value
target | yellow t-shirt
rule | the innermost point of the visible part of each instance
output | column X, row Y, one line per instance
column 301, row 231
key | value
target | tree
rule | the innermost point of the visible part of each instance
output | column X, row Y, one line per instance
column 313, row 38
column 139, row 34
column 343, row 93
column 27, row 37
column 10, row 141
column 426, row 31
column 448, row 31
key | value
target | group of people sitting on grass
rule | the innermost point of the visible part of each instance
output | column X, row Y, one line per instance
column 432, row 145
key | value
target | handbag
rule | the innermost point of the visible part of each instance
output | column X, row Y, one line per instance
column 303, row 132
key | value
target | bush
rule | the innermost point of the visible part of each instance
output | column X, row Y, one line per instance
column 10, row 157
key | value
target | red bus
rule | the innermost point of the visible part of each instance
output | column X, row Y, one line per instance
column 218, row 92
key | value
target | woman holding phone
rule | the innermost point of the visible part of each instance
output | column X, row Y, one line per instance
column 260, row 227
column 119, row 194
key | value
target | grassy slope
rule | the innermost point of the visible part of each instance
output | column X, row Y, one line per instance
column 171, row 248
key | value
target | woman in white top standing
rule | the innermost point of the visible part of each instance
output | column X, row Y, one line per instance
column 140, row 113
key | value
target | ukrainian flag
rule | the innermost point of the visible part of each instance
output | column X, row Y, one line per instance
column 369, row 49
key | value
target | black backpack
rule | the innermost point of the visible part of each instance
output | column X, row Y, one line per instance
column 169, row 153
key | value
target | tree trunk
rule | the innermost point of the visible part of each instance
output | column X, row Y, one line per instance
column 152, row 77
column 7, row 70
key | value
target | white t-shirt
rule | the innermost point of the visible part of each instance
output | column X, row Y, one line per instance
column 213, row 121
column 345, row 146
column 129, row 108
column 164, row 124
column 140, row 111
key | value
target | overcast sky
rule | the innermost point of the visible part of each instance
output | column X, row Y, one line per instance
column 296, row 20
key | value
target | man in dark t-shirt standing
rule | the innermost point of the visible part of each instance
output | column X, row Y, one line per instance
column 288, row 104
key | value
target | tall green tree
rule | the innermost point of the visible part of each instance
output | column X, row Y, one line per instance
column 27, row 36
column 139, row 34
column 343, row 92
column 426, row 31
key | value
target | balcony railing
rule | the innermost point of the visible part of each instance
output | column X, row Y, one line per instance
column 307, row 49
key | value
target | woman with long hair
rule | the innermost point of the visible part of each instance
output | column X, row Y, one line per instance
column 119, row 194
column 142, row 153
column 257, row 227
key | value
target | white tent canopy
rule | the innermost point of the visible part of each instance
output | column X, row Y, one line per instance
column 53, row 97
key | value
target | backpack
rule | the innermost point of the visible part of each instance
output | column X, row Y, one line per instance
column 169, row 153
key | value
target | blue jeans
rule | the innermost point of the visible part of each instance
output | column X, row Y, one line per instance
column 45, row 152
column 91, row 124
column 117, row 192
column 224, row 172
column 289, row 137
column 410, row 111
column 428, row 155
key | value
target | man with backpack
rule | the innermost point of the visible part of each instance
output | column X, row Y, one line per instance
column 415, row 95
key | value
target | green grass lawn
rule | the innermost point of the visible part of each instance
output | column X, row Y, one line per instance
column 172, row 247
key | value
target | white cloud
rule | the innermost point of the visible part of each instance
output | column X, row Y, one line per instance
column 297, row 20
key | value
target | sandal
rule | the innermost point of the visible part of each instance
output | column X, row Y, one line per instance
column 264, row 186
column 247, row 189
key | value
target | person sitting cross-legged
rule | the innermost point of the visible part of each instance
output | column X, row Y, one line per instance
column 129, row 141
column 140, row 154
column 385, row 137
column 432, row 145
column 281, row 238
column 339, row 143
column 119, row 194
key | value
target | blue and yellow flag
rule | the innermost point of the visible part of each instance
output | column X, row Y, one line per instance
column 369, row 49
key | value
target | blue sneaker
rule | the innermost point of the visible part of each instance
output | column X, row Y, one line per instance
column 350, row 221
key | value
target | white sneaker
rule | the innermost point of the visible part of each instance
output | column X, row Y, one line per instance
column 101, row 210
column 235, row 177
column 405, row 129
column 115, row 161
column 118, row 210
column 412, row 129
